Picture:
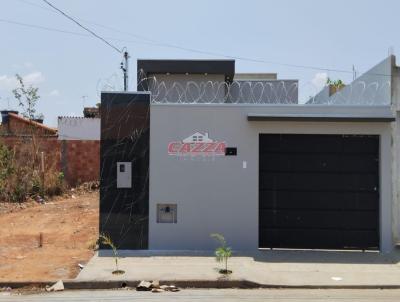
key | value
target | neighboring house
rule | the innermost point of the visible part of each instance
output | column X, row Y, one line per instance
column 295, row 176
column 80, row 144
column 78, row 128
column 198, row 137
column 14, row 125
column 73, row 148
column 17, row 132
column 92, row 112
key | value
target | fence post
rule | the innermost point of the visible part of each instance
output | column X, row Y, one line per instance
column 42, row 170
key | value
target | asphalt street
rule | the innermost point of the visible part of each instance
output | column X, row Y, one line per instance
column 211, row 295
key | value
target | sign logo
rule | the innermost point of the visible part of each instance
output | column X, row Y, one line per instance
column 197, row 144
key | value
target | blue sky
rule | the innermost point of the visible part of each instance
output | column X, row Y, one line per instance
column 70, row 69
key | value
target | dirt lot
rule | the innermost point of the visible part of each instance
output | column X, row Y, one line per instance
column 70, row 229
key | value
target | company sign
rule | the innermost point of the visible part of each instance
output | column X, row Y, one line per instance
column 197, row 144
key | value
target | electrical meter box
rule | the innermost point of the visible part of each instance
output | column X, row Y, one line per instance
column 167, row 213
column 124, row 175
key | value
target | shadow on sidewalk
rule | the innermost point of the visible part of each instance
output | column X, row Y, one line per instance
column 326, row 256
column 277, row 255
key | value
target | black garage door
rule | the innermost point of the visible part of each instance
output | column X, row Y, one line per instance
column 319, row 191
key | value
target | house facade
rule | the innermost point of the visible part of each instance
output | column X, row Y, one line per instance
column 205, row 150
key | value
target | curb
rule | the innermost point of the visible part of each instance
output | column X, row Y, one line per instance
column 215, row 284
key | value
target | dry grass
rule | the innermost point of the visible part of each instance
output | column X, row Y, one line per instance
column 21, row 172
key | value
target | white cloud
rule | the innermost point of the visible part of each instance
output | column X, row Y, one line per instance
column 33, row 78
column 319, row 80
column 54, row 92
column 7, row 83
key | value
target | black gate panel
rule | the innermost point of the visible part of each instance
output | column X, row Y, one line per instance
column 318, row 191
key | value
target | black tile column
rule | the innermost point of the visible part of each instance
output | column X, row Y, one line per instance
column 125, row 129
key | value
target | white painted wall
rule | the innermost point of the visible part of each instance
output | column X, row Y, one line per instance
column 218, row 194
column 78, row 128
column 396, row 151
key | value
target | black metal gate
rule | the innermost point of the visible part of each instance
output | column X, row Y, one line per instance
column 318, row 191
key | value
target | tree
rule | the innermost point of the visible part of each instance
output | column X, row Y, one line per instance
column 27, row 99
column 222, row 252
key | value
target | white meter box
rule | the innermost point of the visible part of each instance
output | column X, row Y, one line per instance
column 124, row 175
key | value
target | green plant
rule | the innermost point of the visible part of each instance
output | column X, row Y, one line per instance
column 337, row 83
column 21, row 174
column 106, row 240
column 36, row 184
column 54, row 182
column 222, row 252
column 20, row 180
column 60, row 177
column 27, row 98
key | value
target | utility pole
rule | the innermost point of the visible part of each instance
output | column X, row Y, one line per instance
column 124, row 67
column 84, row 97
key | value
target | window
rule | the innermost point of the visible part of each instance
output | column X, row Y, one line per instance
column 122, row 168
column 167, row 213
column 200, row 139
column 195, row 138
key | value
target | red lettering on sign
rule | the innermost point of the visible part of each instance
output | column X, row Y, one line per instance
column 220, row 148
column 210, row 147
column 173, row 147
column 198, row 144
column 198, row 147
column 185, row 148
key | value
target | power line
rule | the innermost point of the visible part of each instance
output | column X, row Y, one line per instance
column 91, row 22
column 44, row 28
column 65, row 31
column 181, row 48
column 82, row 26
column 192, row 50
column 155, row 43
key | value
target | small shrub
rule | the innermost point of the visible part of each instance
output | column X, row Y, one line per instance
column 106, row 240
column 20, row 178
column 19, row 193
column 222, row 252
column 54, row 183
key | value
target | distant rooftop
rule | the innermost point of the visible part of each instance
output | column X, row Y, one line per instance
column 91, row 112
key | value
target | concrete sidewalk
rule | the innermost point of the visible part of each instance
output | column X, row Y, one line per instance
column 264, row 269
